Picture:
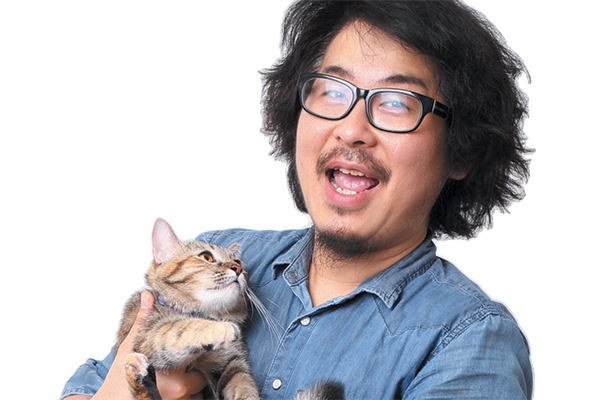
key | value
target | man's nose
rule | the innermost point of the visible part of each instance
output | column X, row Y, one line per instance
column 355, row 130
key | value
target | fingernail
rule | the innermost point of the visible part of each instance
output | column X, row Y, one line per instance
column 147, row 300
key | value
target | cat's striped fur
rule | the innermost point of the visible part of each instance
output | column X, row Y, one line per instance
column 200, row 302
column 201, row 299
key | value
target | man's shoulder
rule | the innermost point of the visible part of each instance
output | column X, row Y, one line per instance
column 450, row 283
column 251, row 237
column 444, row 298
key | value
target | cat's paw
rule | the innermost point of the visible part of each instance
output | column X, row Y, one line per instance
column 225, row 333
column 136, row 367
column 141, row 377
column 219, row 335
column 241, row 387
column 246, row 396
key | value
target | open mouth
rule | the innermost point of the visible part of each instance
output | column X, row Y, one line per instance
column 350, row 182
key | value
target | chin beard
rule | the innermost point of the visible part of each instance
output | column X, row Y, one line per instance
column 340, row 246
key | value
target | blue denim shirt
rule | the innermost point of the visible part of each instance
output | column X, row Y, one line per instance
column 418, row 330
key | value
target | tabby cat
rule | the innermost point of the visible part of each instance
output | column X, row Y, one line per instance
column 201, row 297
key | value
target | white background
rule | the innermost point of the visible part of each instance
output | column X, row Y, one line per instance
column 114, row 113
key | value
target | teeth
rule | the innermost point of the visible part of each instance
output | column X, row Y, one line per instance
column 351, row 172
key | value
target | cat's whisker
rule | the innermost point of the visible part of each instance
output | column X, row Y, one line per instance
column 275, row 327
column 273, row 303
column 200, row 304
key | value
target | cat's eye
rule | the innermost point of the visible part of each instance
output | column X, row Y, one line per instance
column 206, row 256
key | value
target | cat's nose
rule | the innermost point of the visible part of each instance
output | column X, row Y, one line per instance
column 237, row 268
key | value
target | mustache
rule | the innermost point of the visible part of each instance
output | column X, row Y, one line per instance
column 359, row 156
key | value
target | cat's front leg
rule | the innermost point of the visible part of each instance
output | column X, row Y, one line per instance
column 236, row 382
column 179, row 343
column 214, row 335
column 242, row 387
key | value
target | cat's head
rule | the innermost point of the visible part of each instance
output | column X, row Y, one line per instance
column 197, row 277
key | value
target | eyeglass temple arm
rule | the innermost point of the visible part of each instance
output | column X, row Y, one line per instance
column 440, row 109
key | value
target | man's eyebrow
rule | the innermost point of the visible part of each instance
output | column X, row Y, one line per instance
column 337, row 70
column 401, row 79
column 393, row 79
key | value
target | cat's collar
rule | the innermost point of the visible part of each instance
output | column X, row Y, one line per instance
column 163, row 302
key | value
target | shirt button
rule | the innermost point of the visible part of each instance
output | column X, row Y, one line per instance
column 277, row 384
column 305, row 321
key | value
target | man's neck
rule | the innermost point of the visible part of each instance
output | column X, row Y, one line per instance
column 330, row 276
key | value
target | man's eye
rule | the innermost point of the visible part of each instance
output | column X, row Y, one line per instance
column 206, row 256
column 394, row 104
column 335, row 94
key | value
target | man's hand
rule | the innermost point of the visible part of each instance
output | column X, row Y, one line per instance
column 173, row 385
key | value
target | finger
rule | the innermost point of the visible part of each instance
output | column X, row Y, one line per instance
column 115, row 385
column 179, row 384
column 146, row 304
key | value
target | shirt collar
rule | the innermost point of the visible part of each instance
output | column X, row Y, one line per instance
column 387, row 285
column 299, row 253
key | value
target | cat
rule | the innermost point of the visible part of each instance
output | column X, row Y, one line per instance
column 201, row 300
column 200, row 294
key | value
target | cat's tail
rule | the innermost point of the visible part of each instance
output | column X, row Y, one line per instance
column 322, row 391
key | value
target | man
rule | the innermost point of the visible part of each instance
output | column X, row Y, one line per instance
column 400, row 122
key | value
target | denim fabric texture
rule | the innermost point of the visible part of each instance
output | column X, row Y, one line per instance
column 418, row 330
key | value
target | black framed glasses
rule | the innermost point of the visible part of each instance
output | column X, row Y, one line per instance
column 390, row 110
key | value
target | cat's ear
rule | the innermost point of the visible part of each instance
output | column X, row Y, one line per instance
column 235, row 248
column 164, row 241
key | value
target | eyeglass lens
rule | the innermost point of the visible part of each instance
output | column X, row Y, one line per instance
column 388, row 110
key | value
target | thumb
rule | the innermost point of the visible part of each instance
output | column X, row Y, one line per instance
column 146, row 304
column 115, row 384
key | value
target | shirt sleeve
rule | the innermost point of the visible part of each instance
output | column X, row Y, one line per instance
column 88, row 378
column 487, row 360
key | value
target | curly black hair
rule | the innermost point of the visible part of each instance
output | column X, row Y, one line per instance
column 477, row 77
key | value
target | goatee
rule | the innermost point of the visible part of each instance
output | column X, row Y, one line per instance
column 332, row 246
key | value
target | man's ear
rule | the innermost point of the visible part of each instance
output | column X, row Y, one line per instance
column 460, row 171
column 458, row 175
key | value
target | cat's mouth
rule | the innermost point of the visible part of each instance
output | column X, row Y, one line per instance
column 229, row 282
column 234, row 283
column 224, row 286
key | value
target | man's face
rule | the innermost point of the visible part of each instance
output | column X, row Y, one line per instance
column 357, row 181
